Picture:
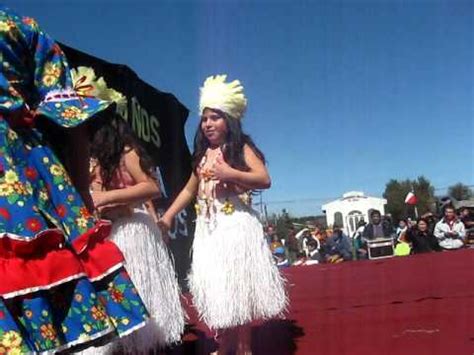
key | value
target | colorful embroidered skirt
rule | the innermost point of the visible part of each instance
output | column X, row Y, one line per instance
column 63, row 283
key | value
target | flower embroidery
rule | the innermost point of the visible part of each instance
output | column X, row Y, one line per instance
column 33, row 224
column 48, row 332
column 52, row 72
column 20, row 188
column 12, row 135
column 228, row 207
column 116, row 295
column 84, row 212
column 43, row 195
column 98, row 313
column 11, row 177
column 11, row 339
column 61, row 211
column 5, row 215
column 6, row 190
column 197, row 208
column 29, row 22
column 81, row 222
column 6, row 26
column 56, row 170
column 73, row 112
column 31, row 173
column 15, row 351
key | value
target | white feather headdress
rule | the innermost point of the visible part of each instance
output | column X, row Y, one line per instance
column 226, row 97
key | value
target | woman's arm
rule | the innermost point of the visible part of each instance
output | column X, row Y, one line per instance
column 256, row 178
column 187, row 194
column 79, row 163
column 145, row 187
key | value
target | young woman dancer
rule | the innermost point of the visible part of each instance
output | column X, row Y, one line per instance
column 121, row 183
column 233, row 279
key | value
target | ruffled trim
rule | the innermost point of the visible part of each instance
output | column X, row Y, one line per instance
column 107, row 272
column 19, row 276
column 98, row 256
column 99, row 232
column 44, row 262
column 41, row 288
column 131, row 330
column 14, row 245
column 67, row 109
column 81, row 341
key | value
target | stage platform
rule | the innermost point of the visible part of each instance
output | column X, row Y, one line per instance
column 419, row 304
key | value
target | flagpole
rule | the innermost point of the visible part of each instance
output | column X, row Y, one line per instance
column 416, row 201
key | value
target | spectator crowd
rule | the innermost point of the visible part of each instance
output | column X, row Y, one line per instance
column 312, row 244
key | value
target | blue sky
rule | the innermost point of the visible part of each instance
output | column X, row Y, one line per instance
column 343, row 95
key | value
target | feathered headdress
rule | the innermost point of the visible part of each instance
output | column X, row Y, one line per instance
column 87, row 84
column 226, row 97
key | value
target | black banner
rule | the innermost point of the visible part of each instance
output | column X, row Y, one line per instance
column 158, row 119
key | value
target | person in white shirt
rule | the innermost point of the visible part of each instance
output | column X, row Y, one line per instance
column 450, row 231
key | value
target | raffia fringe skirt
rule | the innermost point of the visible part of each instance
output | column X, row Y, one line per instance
column 233, row 279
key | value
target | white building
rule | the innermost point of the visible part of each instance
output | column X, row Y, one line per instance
column 351, row 208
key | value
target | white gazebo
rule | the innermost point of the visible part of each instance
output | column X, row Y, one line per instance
column 351, row 208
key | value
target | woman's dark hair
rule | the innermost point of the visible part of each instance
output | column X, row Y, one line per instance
column 110, row 139
column 423, row 219
column 233, row 148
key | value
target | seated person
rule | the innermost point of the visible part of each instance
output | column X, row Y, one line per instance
column 401, row 229
column 466, row 218
column 300, row 259
column 338, row 246
column 276, row 243
column 376, row 229
column 280, row 258
column 314, row 257
column 450, row 231
column 357, row 242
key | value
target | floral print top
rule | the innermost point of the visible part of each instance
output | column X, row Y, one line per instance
column 34, row 75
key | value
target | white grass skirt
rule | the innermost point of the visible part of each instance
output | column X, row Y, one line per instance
column 233, row 279
column 152, row 272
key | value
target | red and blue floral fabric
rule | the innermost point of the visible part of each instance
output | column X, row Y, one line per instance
column 63, row 283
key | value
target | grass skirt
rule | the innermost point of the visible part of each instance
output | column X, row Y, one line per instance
column 233, row 279
column 152, row 271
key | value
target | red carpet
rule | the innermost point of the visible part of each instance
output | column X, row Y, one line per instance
column 421, row 304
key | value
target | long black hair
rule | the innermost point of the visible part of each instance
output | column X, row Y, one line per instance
column 109, row 141
column 233, row 147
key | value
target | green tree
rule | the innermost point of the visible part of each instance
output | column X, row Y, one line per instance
column 396, row 191
column 460, row 192
column 283, row 224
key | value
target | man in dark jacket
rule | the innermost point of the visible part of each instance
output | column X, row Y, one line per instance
column 376, row 229
column 338, row 246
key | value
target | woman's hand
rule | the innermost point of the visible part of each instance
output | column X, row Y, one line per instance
column 100, row 199
column 165, row 224
column 222, row 171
